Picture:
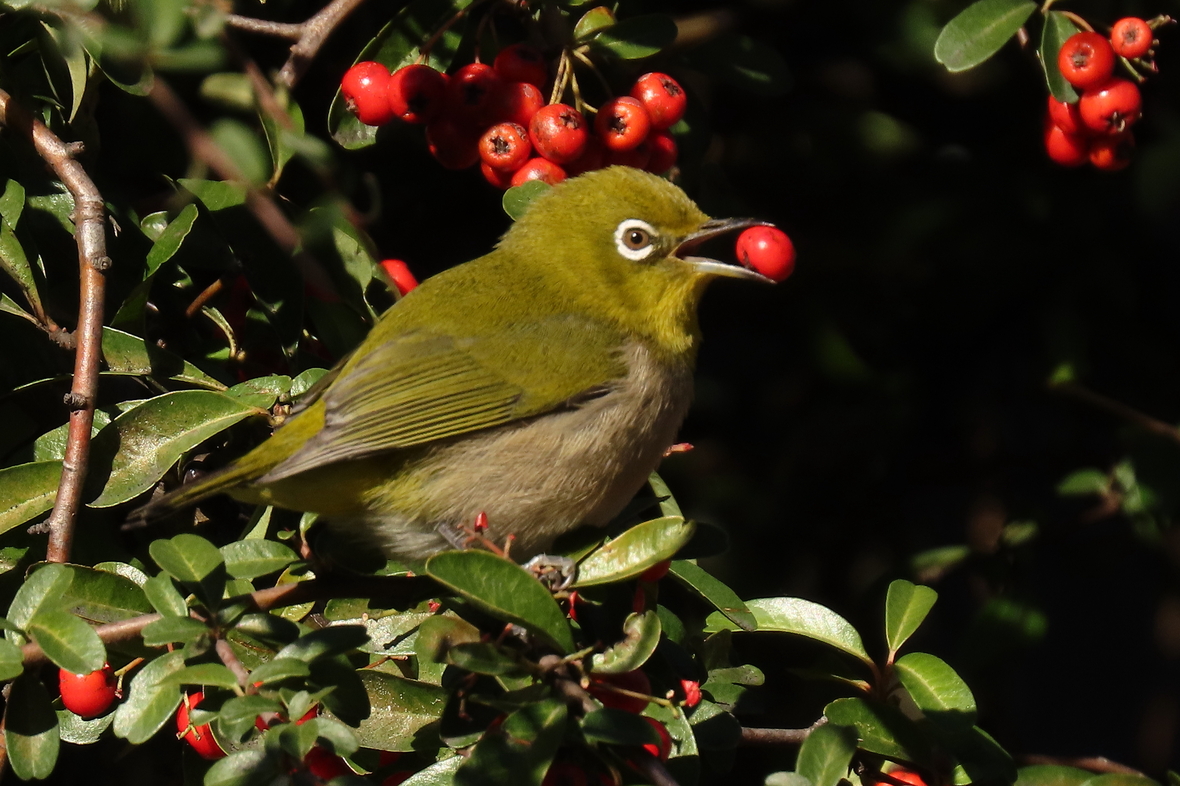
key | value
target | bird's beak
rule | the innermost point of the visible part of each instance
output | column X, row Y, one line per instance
column 709, row 230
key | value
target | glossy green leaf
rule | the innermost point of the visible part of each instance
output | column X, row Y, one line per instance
column 170, row 240
column 51, row 446
column 237, row 716
column 12, row 202
column 151, row 702
column 170, row 630
column 9, row 306
column 1085, row 482
column 212, row 674
column 188, row 558
column 67, row 641
column 79, row 731
column 396, row 45
column 261, row 392
column 618, row 727
column 517, row 199
column 164, row 597
column 1057, row 28
column 641, row 637
column 325, row 642
column 243, row 148
column 503, row 589
column 595, row 20
column 30, row 729
column 41, row 591
column 135, row 450
column 980, row 757
column 785, row 779
column 522, row 753
column 824, row 757
column 979, row 31
column 268, row 628
column 437, row 634
column 802, row 618
column 1052, row 775
column 882, row 729
column 11, row 660
column 714, row 592
column 248, row 559
column 634, row 551
column 935, row 687
column 244, row 768
column 402, row 708
column 15, row 263
column 438, row 774
column 100, row 596
column 743, row 62
column 906, row 606
column 131, row 355
column 215, row 194
column 637, row 36
column 27, row 491
column 484, row 658
column 279, row 669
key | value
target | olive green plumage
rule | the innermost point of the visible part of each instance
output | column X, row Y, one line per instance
column 540, row 383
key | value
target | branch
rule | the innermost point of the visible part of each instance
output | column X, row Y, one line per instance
column 399, row 589
column 293, row 31
column 778, row 736
column 1118, row 409
column 89, row 219
column 315, row 31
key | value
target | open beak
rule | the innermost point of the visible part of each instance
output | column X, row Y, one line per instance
column 710, row 230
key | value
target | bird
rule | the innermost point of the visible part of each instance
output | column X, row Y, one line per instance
column 536, row 387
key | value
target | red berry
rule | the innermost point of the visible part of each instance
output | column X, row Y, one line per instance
column 521, row 63
column 396, row 778
column 87, row 695
column 471, row 94
column 564, row 773
column 637, row 157
column 663, row 153
column 517, row 102
column 692, row 692
column 1112, row 153
column 662, row 97
column 200, row 737
column 907, row 776
column 634, row 681
column 365, row 88
column 558, row 132
column 1112, row 108
column 417, row 93
column 324, row 764
column 505, row 147
column 385, row 758
column 767, row 250
column 454, row 144
column 1064, row 148
column 538, row 169
column 499, row 179
column 1066, row 116
column 399, row 273
column 622, row 123
column 664, row 749
column 1086, row 59
column 593, row 157
column 657, row 571
column 1131, row 37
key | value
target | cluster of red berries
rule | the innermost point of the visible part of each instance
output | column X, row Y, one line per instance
column 496, row 116
column 1097, row 127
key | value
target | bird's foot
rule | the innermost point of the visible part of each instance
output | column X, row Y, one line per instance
column 553, row 570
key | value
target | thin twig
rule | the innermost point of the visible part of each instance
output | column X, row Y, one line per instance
column 289, row 30
column 1118, row 409
column 315, row 31
column 89, row 219
column 778, row 736
column 226, row 652
column 1091, row 763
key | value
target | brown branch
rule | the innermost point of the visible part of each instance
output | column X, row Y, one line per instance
column 778, row 736
column 399, row 589
column 266, row 211
column 89, row 219
column 315, row 32
column 1118, row 409
column 1091, row 763
column 293, row 31
column 226, row 652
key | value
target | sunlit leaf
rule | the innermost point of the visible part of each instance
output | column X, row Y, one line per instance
column 979, row 31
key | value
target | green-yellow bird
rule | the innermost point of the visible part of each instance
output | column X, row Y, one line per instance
column 540, row 384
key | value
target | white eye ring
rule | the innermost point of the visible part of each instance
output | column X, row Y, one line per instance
column 635, row 239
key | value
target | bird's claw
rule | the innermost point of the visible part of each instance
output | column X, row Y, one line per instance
column 554, row 571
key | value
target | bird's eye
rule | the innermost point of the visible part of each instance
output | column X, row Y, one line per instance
column 635, row 239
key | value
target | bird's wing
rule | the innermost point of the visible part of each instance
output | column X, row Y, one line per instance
column 420, row 387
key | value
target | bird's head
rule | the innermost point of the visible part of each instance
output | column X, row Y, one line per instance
column 620, row 242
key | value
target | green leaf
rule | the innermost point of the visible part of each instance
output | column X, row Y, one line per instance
column 980, row 757
column 169, row 630
column 396, row 45
column 212, row 674
column 325, row 642
column 642, row 635
column 618, row 727
column 12, row 202
column 402, row 708
column 170, row 240
column 101, row 596
column 522, row 751
column 802, row 618
column 164, row 597
column 249, row 559
column 261, row 392
column 935, row 687
column 67, row 641
column 596, row 19
column 14, row 262
column 1057, row 28
column 27, row 491
column 906, row 606
column 824, row 757
column 503, row 589
column 280, row 668
column 1085, row 482
column 634, row 551
column 437, row 634
column 9, row 306
column 151, row 701
column 79, row 731
column 713, row 591
column 1052, row 775
column 882, row 729
column 244, row 149
column 244, row 768
column 438, row 774
column 30, row 729
column 135, row 450
column 133, row 356
column 484, row 658
column 744, row 63
column 11, row 660
column 1119, row 779
column 517, row 199
column 42, row 590
column 979, row 31
column 188, row 558
column 638, row 36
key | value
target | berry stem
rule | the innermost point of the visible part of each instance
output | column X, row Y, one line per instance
column 1129, row 66
column 1079, row 21
column 580, row 53
column 424, row 50
column 563, row 69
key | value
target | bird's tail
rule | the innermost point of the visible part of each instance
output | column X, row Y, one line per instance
column 235, row 475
